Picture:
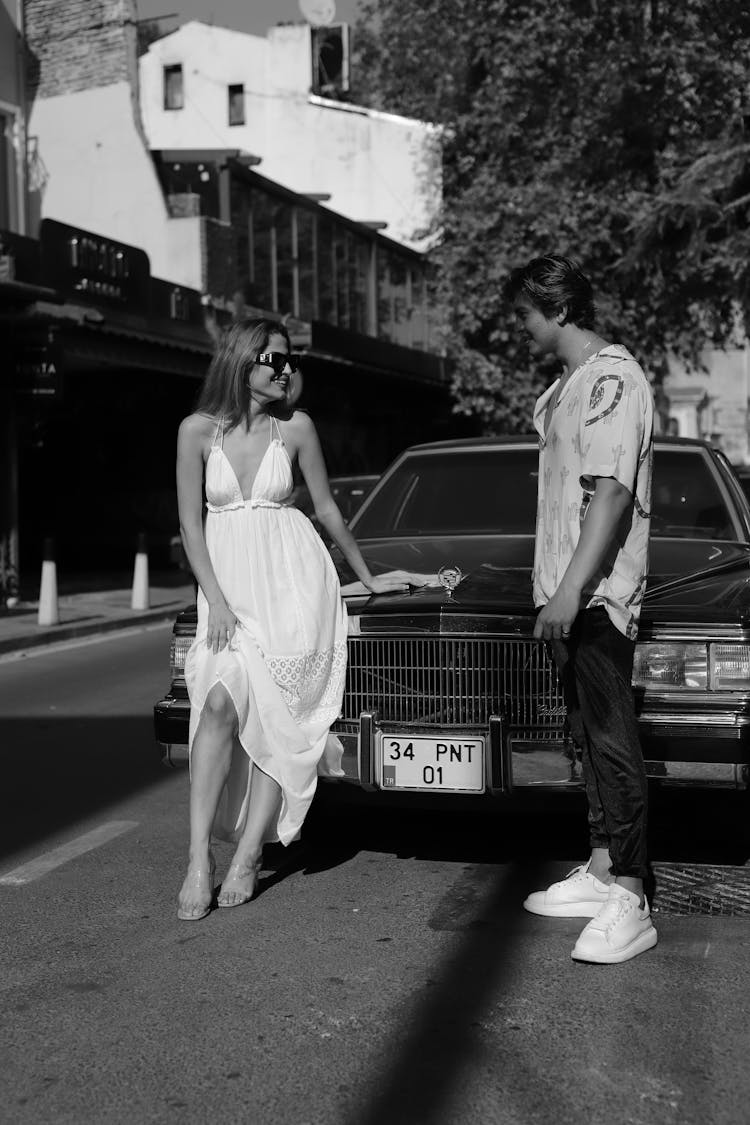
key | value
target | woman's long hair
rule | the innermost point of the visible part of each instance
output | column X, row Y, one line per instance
column 225, row 391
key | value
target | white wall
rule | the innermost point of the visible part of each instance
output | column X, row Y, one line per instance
column 713, row 404
column 376, row 167
column 101, row 178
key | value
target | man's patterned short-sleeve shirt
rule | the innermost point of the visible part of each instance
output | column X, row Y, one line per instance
column 601, row 426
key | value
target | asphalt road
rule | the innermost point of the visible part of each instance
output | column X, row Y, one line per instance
column 385, row 975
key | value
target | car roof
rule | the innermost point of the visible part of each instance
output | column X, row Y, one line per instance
column 499, row 440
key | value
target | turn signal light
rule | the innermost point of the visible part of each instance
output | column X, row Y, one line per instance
column 730, row 667
column 177, row 654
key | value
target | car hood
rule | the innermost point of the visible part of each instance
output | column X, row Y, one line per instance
column 693, row 578
column 691, row 581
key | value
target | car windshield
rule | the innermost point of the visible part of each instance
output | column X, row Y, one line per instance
column 456, row 492
column 494, row 491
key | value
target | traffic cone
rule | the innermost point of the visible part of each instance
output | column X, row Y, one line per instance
column 139, row 599
column 48, row 611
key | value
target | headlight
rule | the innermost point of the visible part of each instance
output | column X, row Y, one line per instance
column 730, row 667
column 669, row 666
column 177, row 654
column 692, row 667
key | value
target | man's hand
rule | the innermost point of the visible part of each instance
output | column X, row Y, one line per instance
column 555, row 619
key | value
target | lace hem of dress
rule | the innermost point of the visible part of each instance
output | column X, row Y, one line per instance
column 310, row 682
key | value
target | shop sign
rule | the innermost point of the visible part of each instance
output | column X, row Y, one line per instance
column 95, row 269
column 38, row 368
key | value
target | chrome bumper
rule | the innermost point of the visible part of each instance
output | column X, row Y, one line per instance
column 522, row 762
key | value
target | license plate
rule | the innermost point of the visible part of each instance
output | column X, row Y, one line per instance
column 432, row 764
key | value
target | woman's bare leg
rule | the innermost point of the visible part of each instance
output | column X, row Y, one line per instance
column 263, row 809
column 210, row 760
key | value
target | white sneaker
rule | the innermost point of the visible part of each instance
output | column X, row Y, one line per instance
column 622, row 929
column 578, row 895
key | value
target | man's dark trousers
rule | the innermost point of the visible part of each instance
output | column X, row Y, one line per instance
column 596, row 666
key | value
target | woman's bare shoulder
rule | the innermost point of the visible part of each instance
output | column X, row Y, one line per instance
column 301, row 423
column 197, row 426
column 196, row 434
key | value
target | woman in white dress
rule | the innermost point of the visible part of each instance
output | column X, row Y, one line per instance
column 265, row 674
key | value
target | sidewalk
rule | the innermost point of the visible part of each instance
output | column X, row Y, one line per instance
column 85, row 612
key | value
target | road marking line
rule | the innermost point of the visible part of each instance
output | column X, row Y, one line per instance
column 53, row 647
column 36, row 868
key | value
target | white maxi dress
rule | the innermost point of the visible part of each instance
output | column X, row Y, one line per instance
column 284, row 668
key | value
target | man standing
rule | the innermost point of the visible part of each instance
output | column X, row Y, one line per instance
column 595, row 427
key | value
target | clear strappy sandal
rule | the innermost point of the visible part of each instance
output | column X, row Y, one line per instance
column 194, row 880
column 240, row 880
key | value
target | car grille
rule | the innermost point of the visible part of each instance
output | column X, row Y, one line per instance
column 450, row 681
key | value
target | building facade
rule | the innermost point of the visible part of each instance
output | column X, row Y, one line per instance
column 205, row 87
column 87, row 332
column 714, row 403
column 132, row 258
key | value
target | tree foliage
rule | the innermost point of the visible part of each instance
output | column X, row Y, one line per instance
column 614, row 131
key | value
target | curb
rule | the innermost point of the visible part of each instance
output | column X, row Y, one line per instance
column 54, row 633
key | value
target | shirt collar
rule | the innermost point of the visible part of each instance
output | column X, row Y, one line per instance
column 541, row 408
column 616, row 350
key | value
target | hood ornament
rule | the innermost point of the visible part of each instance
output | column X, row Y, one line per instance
column 449, row 577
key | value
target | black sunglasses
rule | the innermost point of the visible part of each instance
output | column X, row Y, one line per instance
column 278, row 361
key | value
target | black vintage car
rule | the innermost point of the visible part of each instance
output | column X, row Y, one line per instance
column 447, row 692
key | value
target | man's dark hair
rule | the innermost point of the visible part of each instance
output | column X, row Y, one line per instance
column 552, row 283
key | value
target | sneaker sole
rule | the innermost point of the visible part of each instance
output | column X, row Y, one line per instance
column 640, row 944
column 565, row 909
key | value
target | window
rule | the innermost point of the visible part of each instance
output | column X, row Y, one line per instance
column 328, row 309
column 236, row 104
column 261, row 248
column 418, row 324
column 359, row 277
column 12, row 212
column 343, row 251
column 307, row 264
column 6, row 169
column 173, row 92
column 284, row 259
column 686, row 499
column 393, row 303
column 330, row 59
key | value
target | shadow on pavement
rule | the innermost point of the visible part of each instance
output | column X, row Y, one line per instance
column 339, row 826
column 685, row 826
column 58, row 771
column 417, row 1080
